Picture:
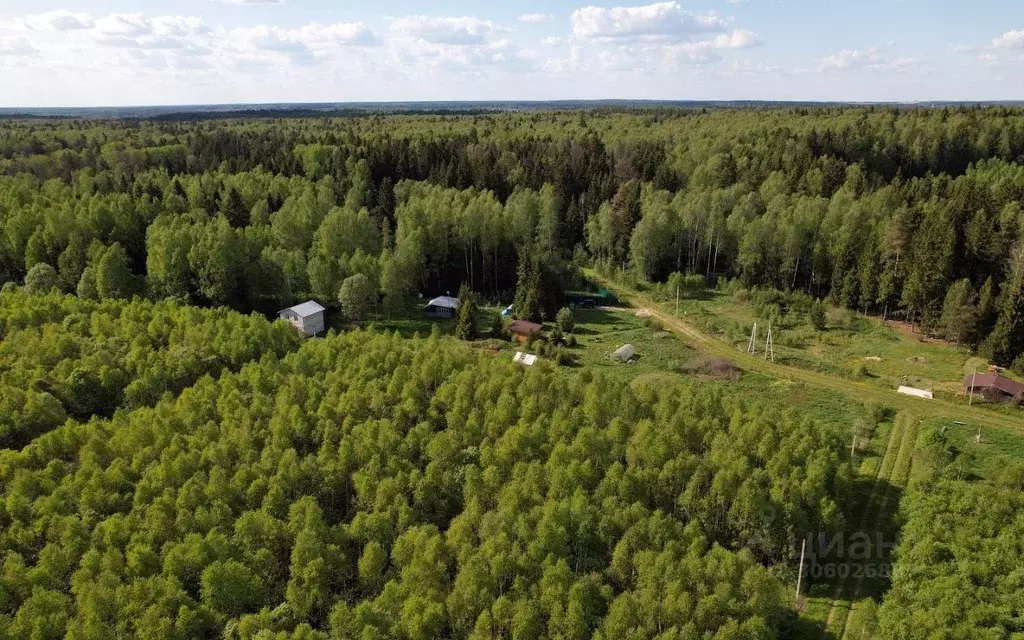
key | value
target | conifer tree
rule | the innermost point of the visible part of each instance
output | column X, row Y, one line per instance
column 465, row 316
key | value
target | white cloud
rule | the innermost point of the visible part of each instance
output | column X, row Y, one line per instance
column 60, row 20
column 345, row 34
column 128, row 25
column 874, row 58
column 751, row 67
column 552, row 41
column 305, row 45
column 1010, row 40
column 738, row 39
column 16, row 46
column 263, row 39
column 962, row 48
column 452, row 31
column 664, row 21
column 178, row 26
column 535, row 17
column 185, row 34
column 250, row 2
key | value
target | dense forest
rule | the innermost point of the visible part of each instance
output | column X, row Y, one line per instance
column 960, row 564
column 912, row 213
column 64, row 357
column 371, row 486
column 174, row 464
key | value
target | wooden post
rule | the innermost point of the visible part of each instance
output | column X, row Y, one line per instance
column 677, row 301
column 800, row 574
column 853, row 447
column 974, row 375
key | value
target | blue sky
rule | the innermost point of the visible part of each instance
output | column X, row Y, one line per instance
column 90, row 53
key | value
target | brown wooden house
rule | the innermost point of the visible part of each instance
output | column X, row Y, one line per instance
column 523, row 330
column 995, row 387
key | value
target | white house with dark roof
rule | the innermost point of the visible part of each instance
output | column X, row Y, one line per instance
column 307, row 317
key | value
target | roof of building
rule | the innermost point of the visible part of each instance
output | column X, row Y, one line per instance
column 920, row 393
column 525, row 327
column 995, row 381
column 446, row 302
column 305, row 309
column 524, row 358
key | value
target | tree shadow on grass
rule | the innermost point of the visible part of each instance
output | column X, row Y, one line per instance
column 599, row 317
column 856, row 563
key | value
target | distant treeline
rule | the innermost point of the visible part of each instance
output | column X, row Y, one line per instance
column 906, row 212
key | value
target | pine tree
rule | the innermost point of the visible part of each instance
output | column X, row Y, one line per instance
column 527, row 303
column 959, row 313
column 1006, row 342
column 465, row 317
column 233, row 208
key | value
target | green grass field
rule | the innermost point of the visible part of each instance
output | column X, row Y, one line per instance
column 888, row 354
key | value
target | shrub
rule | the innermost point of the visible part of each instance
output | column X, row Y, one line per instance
column 654, row 323
column 1018, row 365
column 818, row 316
column 842, row 318
column 685, row 284
column 570, row 340
column 565, row 320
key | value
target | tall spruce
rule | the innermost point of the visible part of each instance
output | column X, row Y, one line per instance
column 465, row 315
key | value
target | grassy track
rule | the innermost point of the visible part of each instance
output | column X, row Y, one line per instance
column 841, row 598
column 859, row 390
column 877, row 518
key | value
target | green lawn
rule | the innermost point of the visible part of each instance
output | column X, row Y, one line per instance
column 852, row 345
column 600, row 332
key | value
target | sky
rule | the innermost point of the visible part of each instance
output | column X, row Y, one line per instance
column 147, row 52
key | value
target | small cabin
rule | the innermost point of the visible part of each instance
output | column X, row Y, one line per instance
column 524, row 330
column 441, row 307
column 994, row 387
column 307, row 317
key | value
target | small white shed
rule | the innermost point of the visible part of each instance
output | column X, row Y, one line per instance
column 307, row 317
column 442, row 307
column 918, row 393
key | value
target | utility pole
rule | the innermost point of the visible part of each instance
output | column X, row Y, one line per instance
column 853, row 447
column 974, row 375
column 769, row 345
column 752, row 345
column 677, row 301
column 800, row 574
